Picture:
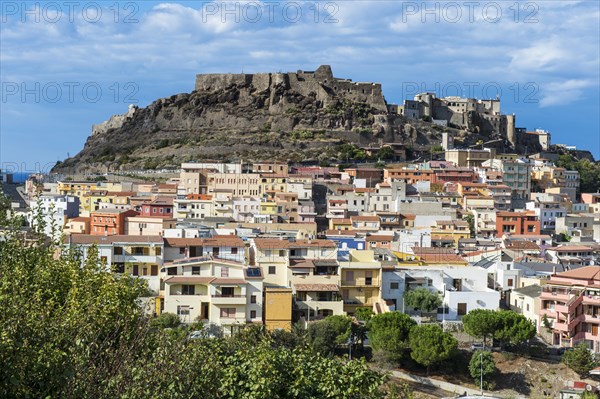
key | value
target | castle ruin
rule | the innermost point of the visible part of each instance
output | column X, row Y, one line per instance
column 321, row 81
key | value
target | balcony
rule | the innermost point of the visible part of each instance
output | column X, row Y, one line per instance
column 228, row 299
column 554, row 296
column 561, row 308
column 361, row 283
column 560, row 327
column 591, row 300
column 227, row 321
column 136, row 259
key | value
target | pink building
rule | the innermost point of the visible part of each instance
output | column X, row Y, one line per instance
column 571, row 302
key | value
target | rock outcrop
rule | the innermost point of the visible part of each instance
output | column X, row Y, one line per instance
column 301, row 116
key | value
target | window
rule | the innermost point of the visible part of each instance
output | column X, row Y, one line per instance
column 172, row 271
column 253, row 314
column 527, row 307
column 227, row 313
column 196, row 270
column 135, row 270
column 183, row 310
column 154, row 270
column 188, row 289
column 181, row 250
column 281, row 252
column 158, row 251
column 394, row 285
column 272, row 270
column 253, row 299
column 350, row 276
column 368, row 277
column 461, row 309
column 118, row 250
column 224, row 272
column 510, row 282
column 227, row 292
column 234, row 251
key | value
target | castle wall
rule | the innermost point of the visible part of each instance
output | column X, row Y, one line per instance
column 322, row 82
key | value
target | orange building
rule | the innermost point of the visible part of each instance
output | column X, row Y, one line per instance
column 525, row 223
column 108, row 222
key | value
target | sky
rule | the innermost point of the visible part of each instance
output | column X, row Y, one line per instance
column 65, row 66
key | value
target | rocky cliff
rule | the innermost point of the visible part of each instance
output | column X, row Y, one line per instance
column 301, row 116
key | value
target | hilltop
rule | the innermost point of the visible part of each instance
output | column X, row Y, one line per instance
column 296, row 117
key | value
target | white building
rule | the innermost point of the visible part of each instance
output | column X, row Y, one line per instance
column 54, row 211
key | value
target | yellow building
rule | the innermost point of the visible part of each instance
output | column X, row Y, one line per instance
column 277, row 313
column 450, row 232
column 361, row 282
column 268, row 208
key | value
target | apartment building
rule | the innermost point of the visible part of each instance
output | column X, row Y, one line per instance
column 570, row 301
column 139, row 256
column 517, row 223
column 225, row 293
column 105, row 222
column 361, row 281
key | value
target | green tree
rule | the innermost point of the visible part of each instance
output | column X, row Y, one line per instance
column 322, row 336
column 386, row 153
column 480, row 323
column 166, row 320
column 364, row 314
column 470, row 219
column 342, row 325
column 430, row 345
column 513, row 328
column 579, row 359
column 389, row 332
column 482, row 361
column 72, row 329
column 421, row 299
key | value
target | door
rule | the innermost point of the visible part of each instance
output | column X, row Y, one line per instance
column 594, row 329
column 461, row 309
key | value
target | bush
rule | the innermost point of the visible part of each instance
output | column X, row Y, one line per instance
column 486, row 359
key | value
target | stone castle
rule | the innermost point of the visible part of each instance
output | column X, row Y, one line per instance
column 469, row 114
column 465, row 113
column 321, row 81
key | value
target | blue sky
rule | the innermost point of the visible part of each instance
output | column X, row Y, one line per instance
column 68, row 65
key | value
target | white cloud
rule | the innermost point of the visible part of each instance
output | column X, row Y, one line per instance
column 564, row 93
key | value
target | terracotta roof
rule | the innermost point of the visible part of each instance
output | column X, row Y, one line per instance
column 189, row 280
column 365, row 218
column 225, row 281
column 570, row 248
column 183, row 242
column 316, row 287
column 275, row 243
column 201, row 197
column 85, row 239
column 522, row 245
column 586, row 272
column 80, row 219
column 302, row 264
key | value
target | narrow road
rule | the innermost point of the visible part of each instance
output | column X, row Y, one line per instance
column 433, row 384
